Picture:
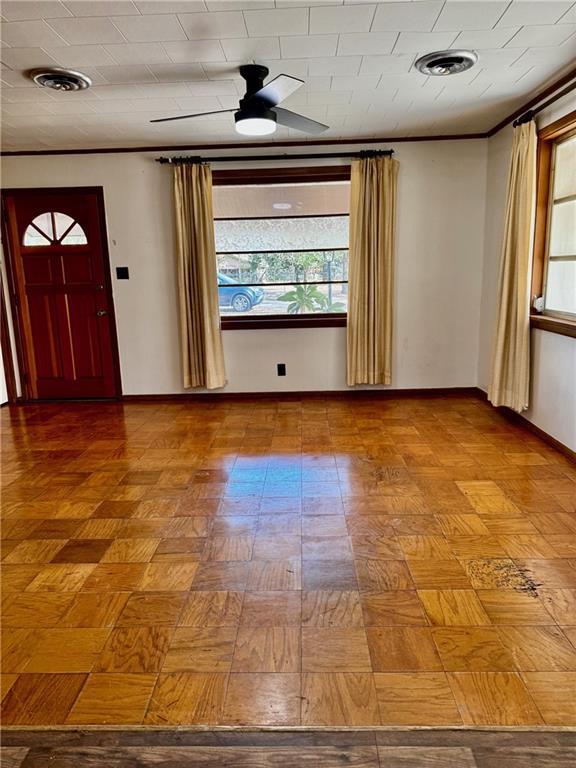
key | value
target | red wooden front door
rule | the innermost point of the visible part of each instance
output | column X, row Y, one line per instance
column 61, row 281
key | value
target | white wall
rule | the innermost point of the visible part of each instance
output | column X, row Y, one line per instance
column 441, row 200
column 553, row 377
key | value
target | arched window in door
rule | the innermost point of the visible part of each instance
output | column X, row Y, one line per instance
column 54, row 228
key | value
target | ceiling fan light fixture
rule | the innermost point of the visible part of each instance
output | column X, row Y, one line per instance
column 443, row 63
column 261, row 123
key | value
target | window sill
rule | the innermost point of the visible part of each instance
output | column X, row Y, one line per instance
column 282, row 321
column 554, row 325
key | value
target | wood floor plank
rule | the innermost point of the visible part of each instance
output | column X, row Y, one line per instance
column 493, row 698
column 261, row 698
column 341, row 698
column 415, row 698
column 112, row 698
column 37, row 699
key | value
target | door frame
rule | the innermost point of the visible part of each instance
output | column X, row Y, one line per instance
column 23, row 350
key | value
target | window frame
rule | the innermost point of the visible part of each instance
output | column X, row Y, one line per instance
column 548, row 138
column 295, row 175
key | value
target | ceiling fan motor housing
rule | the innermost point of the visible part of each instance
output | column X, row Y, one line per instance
column 254, row 75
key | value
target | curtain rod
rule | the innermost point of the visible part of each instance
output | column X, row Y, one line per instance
column 531, row 113
column 242, row 158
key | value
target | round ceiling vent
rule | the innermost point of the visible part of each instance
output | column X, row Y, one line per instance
column 60, row 79
column 442, row 63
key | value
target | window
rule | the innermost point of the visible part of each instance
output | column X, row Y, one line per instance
column 560, row 279
column 54, row 228
column 282, row 250
column 554, row 270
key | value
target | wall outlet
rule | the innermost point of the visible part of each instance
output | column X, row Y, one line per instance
column 281, row 369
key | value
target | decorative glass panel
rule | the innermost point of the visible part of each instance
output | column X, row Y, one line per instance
column 75, row 236
column 52, row 228
column 62, row 223
column 33, row 237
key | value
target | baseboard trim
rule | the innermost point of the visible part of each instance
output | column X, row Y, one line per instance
column 517, row 418
column 314, row 394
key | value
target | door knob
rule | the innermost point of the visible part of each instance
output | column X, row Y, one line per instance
column 101, row 313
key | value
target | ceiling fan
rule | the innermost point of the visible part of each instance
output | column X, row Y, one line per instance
column 258, row 113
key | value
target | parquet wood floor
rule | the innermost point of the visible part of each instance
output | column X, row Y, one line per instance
column 290, row 561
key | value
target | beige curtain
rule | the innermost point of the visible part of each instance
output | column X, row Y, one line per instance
column 371, row 268
column 510, row 376
column 201, row 338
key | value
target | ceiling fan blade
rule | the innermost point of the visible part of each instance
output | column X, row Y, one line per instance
column 278, row 89
column 299, row 122
column 185, row 117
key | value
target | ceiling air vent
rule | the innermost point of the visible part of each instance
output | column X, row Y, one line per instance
column 442, row 63
column 60, row 79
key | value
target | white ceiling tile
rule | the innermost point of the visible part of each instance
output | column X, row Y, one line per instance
column 289, row 21
column 206, row 26
column 324, row 20
column 175, row 73
column 239, row 5
column 92, row 30
column 423, row 42
column 312, row 46
column 168, row 6
column 227, row 70
column 27, row 58
column 126, row 74
column 29, row 34
column 251, row 48
column 337, row 65
column 136, row 105
column 17, row 79
column 26, row 94
column 393, row 64
column 469, row 14
column 536, row 36
column 24, row 109
column 101, row 7
column 212, row 88
column 196, row 50
column 76, row 56
column 406, row 16
column 144, row 29
column 138, row 53
column 366, row 43
column 161, row 90
column 330, row 97
column 522, row 12
column 317, row 83
column 71, row 107
column 359, row 83
column 22, row 10
column 294, row 67
column 545, row 58
column 496, row 58
column 487, row 38
column 569, row 17
column 126, row 91
column 200, row 104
